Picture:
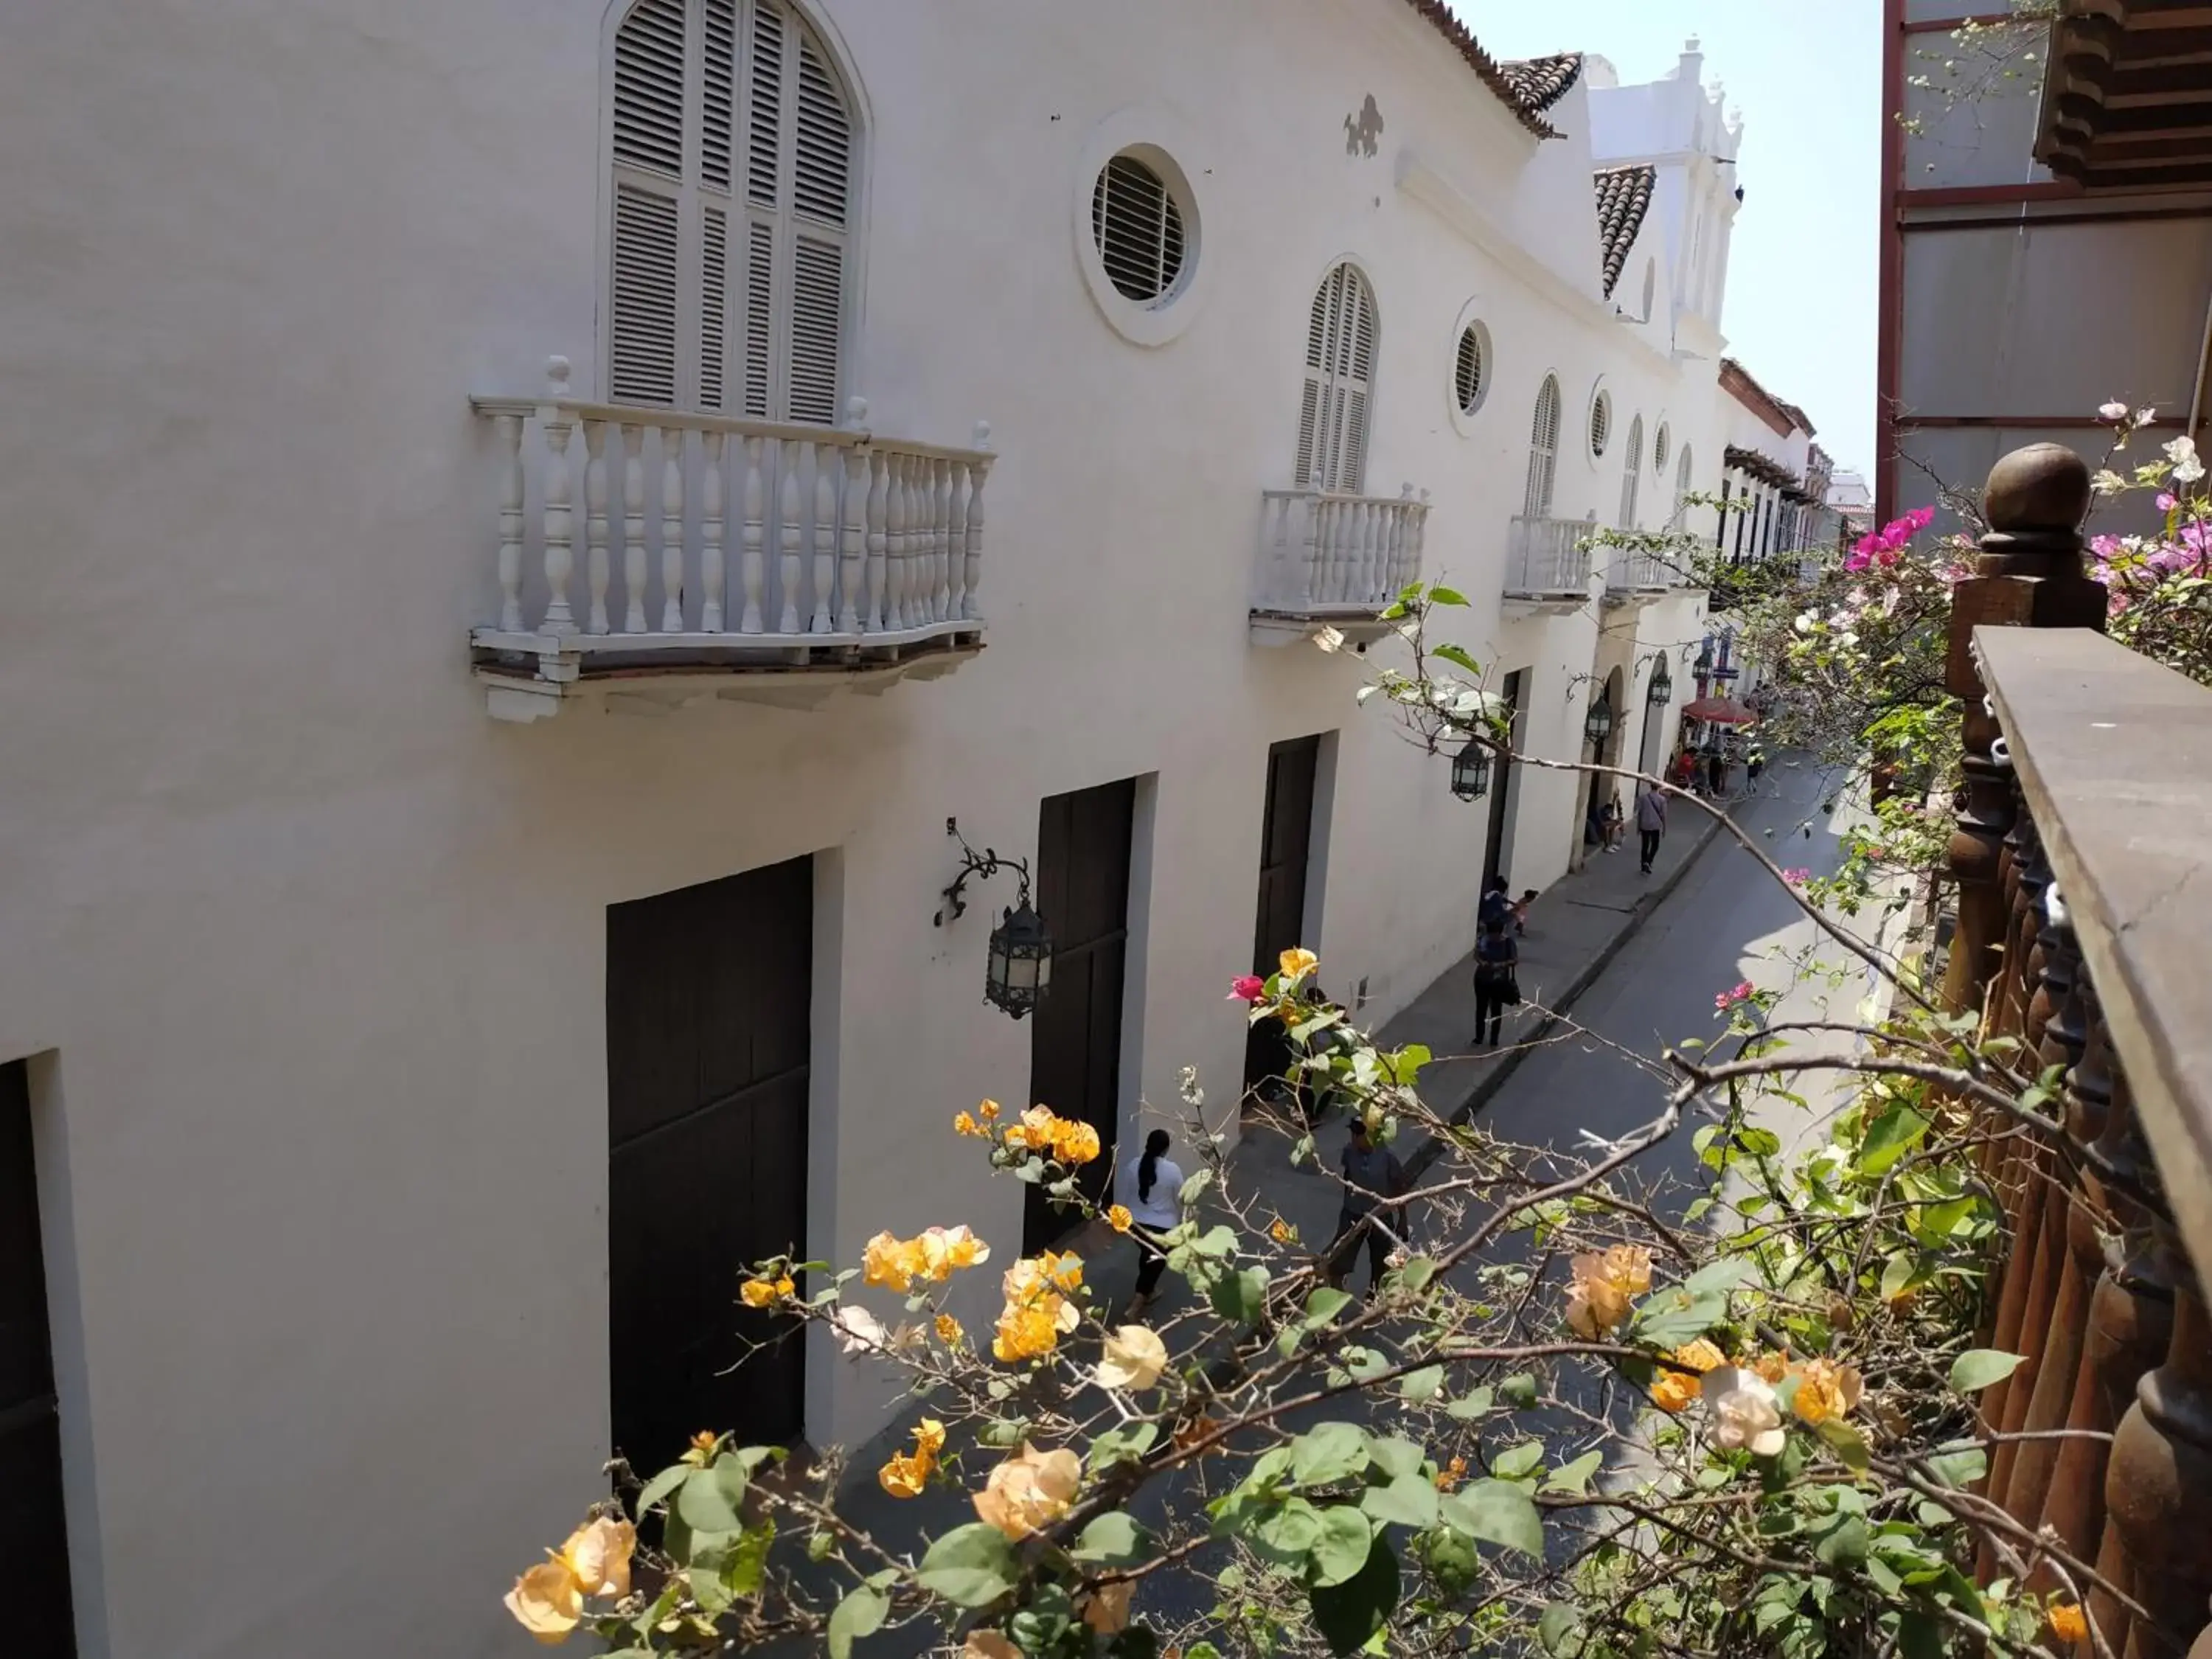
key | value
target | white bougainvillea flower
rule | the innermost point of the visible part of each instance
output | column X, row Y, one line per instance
column 1741, row 1407
column 2187, row 467
column 1133, row 1358
column 2114, row 411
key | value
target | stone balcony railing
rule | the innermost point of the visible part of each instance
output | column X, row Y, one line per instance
column 715, row 555
column 2084, row 908
column 1548, row 560
column 1335, row 561
column 1632, row 574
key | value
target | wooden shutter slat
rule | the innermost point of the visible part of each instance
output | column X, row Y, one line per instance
column 719, row 91
column 822, row 175
column 649, row 88
column 713, row 308
column 642, row 314
column 817, row 304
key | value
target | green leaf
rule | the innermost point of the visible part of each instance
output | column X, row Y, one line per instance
column 1324, row 1304
column 1408, row 1501
column 1328, row 1453
column 1354, row 1613
column 970, row 1566
column 1416, row 1273
column 1458, row 655
column 1241, row 1297
column 1342, row 1549
column 1975, row 1369
column 1843, row 1542
column 1518, row 1390
column 1959, row 1466
column 1288, row 1533
column 1443, row 595
column 1475, row 1405
column 1889, row 1137
column 1114, row 1540
column 1395, row 1456
column 1560, row 1620
column 1423, row 1385
column 1575, row 1477
column 656, row 1489
column 1718, row 1278
column 748, row 1566
column 1919, row 1636
column 710, row 1592
column 1517, row 1461
column 1193, row 1187
column 1497, row 1512
column 860, row 1613
column 709, row 1498
column 1849, row 1445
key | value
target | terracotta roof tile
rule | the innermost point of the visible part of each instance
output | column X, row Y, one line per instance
column 1517, row 96
column 1765, row 468
column 1623, row 197
column 1541, row 82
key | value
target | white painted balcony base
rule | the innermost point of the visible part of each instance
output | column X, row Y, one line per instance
column 722, row 555
column 1333, row 562
column 1637, row 578
column 1547, row 566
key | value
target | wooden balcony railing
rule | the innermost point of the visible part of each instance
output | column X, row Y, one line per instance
column 2085, row 934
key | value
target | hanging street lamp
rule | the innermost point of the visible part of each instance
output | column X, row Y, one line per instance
column 1598, row 727
column 1470, row 771
column 1017, row 965
column 1662, row 685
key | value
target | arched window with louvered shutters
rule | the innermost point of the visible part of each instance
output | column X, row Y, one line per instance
column 1682, row 484
column 1333, row 414
column 734, row 158
column 1632, row 473
column 1543, row 451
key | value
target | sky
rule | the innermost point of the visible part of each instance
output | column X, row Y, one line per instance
column 1807, row 74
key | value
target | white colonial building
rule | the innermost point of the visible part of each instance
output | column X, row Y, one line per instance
column 530, row 519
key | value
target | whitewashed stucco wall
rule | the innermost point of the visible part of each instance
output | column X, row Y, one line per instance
column 318, row 948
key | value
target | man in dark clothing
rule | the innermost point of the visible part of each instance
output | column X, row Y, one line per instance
column 1495, row 904
column 1372, row 1177
column 1495, row 960
column 1650, row 823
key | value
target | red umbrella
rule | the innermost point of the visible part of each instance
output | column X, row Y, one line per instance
column 1720, row 711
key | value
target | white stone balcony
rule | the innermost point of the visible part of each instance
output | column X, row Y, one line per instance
column 718, row 556
column 1546, row 563
column 1634, row 577
column 1329, row 561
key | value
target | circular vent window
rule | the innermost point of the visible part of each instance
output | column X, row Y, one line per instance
column 1470, row 373
column 1601, row 430
column 1139, row 227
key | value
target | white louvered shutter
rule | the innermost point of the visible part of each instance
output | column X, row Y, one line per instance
column 1681, row 484
column 1543, row 451
column 733, row 180
column 1340, row 385
column 1632, row 473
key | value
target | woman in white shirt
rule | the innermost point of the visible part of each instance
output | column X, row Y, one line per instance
column 1155, row 1186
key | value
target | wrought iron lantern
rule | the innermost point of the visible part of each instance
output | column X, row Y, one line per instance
column 1470, row 771
column 1017, row 969
column 1598, row 726
column 1662, row 685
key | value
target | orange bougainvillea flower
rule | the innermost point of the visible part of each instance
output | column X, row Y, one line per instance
column 964, row 1124
column 2067, row 1622
column 1107, row 1612
column 904, row 1476
column 597, row 1556
column 890, row 1262
column 1825, row 1390
column 548, row 1600
column 1035, row 1133
column 1598, row 1303
column 1296, row 964
column 1451, row 1475
column 1119, row 1218
column 765, row 1292
column 949, row 1332
column 1770, row 1367
column 1699, row 1356
column 1673, row 1391
column 989, row 1111
column 945, row 1250
column 1029, row 1493
column 546, row 1603
column 1282, row 1232
column 989, row 1644
column 1076, row 1143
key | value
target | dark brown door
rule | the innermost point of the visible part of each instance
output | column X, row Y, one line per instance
column 1075, row 1046
column 1505, row 787
column 31, row 1539
column 707, row 1039
column 1286, row 843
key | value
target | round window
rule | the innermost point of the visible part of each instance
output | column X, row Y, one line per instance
column 1471, row 372
column 1601, row 427
column 1659, row 449
column 1139, row 227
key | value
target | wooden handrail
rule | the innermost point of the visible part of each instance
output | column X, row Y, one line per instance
column 2113, row 755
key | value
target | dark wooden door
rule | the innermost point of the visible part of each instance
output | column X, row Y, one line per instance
column 1285, row 843
column 32, row 1537
column 1504, row 785
column 1075, row 1045
column 709, row 991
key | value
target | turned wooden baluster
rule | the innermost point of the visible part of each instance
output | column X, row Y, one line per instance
column 595, row 526
column 2029, row 1287
column 753, row 539
column 2028, row 572
column 956, row 544
column 633, row 438
column 671, row 530
column 879, row 473
column 853, row 552
column 560, row 510
column 2131, row 1321
column 971, row 609
column 825, row 541
column 940, row 518
column 713, row 577
column 2073, row 1247
column 1310, row 575
column 509, row 428
column 895, row 572
column 788, row 534
column 2158, row 1487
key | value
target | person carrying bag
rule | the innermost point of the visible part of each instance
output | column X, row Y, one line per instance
column 1496, row 981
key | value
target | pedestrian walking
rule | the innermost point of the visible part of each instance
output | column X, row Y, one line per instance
column 1754, row 766
column 1650, row 823
column 1716, row 773
column 1372, row 1177
column 1496, row 981
column 1157, row 1181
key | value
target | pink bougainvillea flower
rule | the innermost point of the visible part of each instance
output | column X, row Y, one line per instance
column 2167, row 501
column 1735, row 994
column 1796, row 878
column 1248, row 988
